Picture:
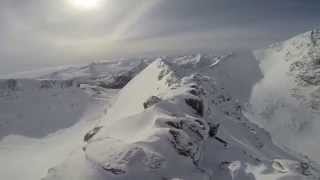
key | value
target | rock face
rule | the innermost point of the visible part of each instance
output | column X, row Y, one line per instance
column 197, row 105
column 151, row 101
column 159, row 128
column 287, row 100
column 91, row 133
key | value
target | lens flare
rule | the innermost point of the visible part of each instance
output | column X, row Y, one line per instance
column 86, row 4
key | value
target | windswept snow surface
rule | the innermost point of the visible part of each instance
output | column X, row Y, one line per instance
column 44, row 119
column 33, row 146
column 174, row 121
column 286, row 101
column 179, row 118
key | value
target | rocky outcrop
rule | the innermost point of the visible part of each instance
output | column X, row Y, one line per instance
column 197, row 105
column 151, row 101
column 49, row 84
column 91, row 133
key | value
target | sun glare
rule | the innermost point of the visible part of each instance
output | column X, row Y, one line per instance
column 86, row 4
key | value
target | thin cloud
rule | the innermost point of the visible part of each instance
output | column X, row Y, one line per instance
column 39, row 33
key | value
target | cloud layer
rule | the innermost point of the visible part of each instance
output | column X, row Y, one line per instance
column 37, row 33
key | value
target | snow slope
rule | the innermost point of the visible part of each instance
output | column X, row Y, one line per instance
column 44, row 118
column 44, row 129
column 286, row 101
column 174, row 121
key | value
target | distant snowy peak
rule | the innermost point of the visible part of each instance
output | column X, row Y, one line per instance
column 97, row 70
column 286, row 101
column 299, row 60
column 201, row 60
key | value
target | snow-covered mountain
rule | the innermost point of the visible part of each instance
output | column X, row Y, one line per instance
column 286, row 101
column 167, row 118
column 182, row 125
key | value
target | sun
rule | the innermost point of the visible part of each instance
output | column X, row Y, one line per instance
column 85, row 4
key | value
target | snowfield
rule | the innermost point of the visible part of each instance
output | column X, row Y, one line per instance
column 168, row 118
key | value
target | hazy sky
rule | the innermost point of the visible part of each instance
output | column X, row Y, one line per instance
column 36, row 33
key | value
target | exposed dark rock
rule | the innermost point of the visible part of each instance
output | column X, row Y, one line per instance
column 213, row 130
column 260, row 145
column 221, row 98
column 194, row 92
column 316, row 61
column 12, row 84
column 305, row 168
column 114, row 171
column 315, row 37
column 182, row 149
column 213, row 134
column 120, row 81
column 46, row 84
column 194, row 128
column 311, row 79
column 194, row 86
column 103, row 84
column 163, row 73
column 117, row 82
column 155, row 162
column 224, row 164
column 177, row 125
column 151, row 101
column 225, row 143
column 91, row 133
column 67, row 84
column 201, row 124
column 197, row 105
column 184, row 146
column 296, row 66
column 198, row 130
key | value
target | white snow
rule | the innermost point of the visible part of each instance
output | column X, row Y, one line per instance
column 169, row 139
column 285, row 101
column 180, row 118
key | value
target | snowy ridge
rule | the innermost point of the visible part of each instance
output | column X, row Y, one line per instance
column 173, row 121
